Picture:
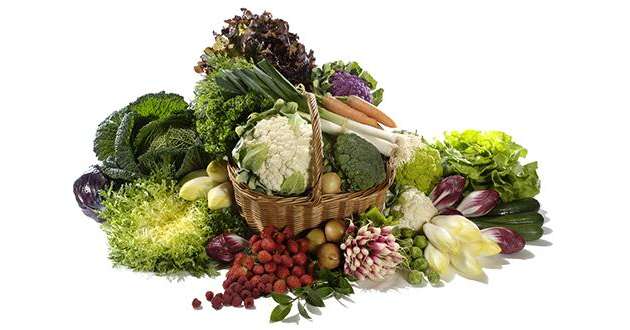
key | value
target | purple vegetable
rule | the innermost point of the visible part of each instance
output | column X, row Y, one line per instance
column 224, row 247
column 509, row 240
column 345, row 84
column 478, row 203
column 450, row 211
column 86, row 191
column 448, row 192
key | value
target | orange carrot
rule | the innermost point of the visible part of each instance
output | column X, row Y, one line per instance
column 342, row 109
column 370, row 110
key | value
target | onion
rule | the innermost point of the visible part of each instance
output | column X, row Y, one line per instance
column 331, row 183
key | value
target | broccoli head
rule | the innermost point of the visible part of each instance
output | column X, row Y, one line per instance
column 360, row 163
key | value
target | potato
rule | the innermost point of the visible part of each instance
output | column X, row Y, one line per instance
column 329, row 256
column 334, row 230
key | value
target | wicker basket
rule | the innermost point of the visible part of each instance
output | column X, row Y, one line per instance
column 304, row 212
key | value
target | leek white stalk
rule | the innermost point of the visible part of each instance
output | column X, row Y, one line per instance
column 359, row 128
column 384, row 147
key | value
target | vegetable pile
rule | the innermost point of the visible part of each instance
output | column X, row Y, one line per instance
column 163, row 197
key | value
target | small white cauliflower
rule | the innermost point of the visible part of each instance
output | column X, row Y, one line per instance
column 414, row 209
column 277, row 151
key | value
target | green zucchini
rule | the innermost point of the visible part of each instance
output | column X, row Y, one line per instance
column 527, row 218
column 515, row 207
column 530, row 232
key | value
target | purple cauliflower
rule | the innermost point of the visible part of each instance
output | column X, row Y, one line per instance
column 345, row 84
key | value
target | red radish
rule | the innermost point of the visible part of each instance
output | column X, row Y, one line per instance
column 255, row 280
column 297, row 271
column 269, row 288
column 280, row 286
column 287, row 261
column 282, row 272
column 227, row 300
column 270, row 267
column 268, row 244
column 237, row 301
column 254, row 239
column 246, row 294
column 256, row 246
column 288, row 232
column 209, row 295
column 292, row 246
column 217, row 301
column 247, row 262
column 280, row 238
column 300, row 259
column 249, row 303
column 264, row 256
column 258, row 269
column 255, row 293
column 293, row 282
column 196, row 304
column 306, row 280
column 303, row 243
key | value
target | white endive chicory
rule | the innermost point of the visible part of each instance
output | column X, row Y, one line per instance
column 457, row 241
column 437, row 260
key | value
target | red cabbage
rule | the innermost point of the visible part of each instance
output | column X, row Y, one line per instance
column 86, row 191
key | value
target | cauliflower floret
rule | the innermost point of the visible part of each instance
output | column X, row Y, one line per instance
column 287, row 141
column 414, row 208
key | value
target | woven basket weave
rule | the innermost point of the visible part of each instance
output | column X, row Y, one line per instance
column 304, row 212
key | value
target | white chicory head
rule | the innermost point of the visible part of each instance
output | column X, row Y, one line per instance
column 441, row 238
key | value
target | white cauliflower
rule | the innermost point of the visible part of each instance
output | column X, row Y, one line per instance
column 277, row 151
column 414, row 208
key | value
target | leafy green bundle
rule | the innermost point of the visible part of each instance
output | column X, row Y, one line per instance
column 219, row 113
column 490, row 160
column 152, row 135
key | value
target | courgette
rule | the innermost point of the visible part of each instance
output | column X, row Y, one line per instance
column 527, row 218
column 515, row 207
column 529, row 232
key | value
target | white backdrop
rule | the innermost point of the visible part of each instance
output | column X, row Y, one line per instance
column 554, row 74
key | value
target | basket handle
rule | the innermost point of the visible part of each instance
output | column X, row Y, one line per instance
column 317, row 150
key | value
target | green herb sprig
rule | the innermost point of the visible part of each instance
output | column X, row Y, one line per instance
column 329, row 284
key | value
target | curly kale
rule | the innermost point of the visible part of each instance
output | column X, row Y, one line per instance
column 218, row 114
column 360, row 163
